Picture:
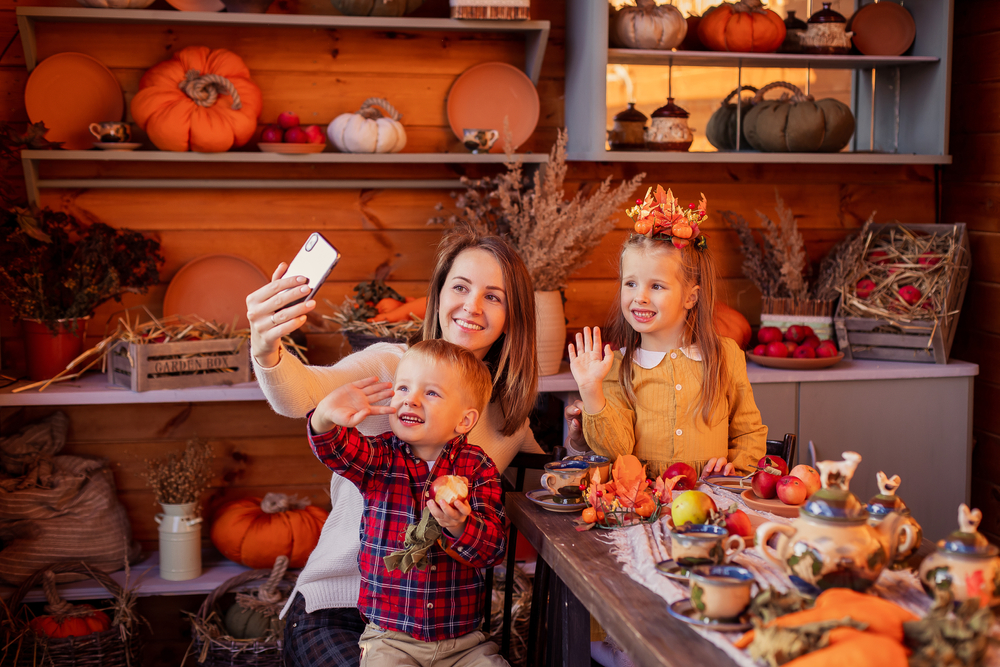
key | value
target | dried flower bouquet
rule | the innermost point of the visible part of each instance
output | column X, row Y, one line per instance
column 181, row 477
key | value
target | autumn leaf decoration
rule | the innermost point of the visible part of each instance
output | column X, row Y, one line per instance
column 659, row 216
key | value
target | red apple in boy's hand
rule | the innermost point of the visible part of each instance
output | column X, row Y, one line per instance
column 777, row 349
column 760, row 350
column 447, row 489
column 791, row 490
column 689, row 476
column 795, row 333
column 271, row 134
column 288, row 119
column 812, row 340
column 296, row 135
column 804, row 352
column 738, row 523
column 809, row 476
column 768, row 335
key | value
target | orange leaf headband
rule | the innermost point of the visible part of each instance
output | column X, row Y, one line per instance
column 659, row 216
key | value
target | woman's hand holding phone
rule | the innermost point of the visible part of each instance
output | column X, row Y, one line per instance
column 267, row 325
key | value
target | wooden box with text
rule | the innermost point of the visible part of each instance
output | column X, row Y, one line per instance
column 151, row 366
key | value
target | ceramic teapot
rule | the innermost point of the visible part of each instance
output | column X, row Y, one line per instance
column 831, row 544
column 883, row 505
column 965, row 564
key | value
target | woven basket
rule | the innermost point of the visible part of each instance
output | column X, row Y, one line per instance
column 118, row 646
column 360, row 341
column 211, row 645
column 520, row 612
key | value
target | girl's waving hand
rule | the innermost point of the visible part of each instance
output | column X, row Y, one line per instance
column 590, row 366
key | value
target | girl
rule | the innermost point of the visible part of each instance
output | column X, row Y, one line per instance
column 480, row 297
column 675, row 391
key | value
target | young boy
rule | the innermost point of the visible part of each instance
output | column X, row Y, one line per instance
column 429, row 615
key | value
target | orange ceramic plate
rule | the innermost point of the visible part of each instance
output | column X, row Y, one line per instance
column 69, row 91
column 883, row 29
column 774, row 506
column 291, row 149
column 795, row 364
column 214, row 287
column 483, row 95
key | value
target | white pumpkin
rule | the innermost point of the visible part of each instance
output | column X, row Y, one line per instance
column 368, row 130
column 650, row 26
column 116, row 4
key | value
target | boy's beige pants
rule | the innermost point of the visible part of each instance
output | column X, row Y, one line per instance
column 388, row 648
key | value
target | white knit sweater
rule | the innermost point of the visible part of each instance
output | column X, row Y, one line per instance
column 331, row 578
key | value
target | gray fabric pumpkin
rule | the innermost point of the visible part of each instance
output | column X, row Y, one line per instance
column 721, row 128
column 376, row 7
column 243, row 623
column 648, row 26
column 797, row 124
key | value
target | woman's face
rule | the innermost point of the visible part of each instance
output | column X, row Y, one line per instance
column 472, row 308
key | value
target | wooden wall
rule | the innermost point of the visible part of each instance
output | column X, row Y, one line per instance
column 971, row 194
column 320, row 74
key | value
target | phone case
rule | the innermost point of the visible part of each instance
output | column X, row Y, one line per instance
column 315, row 259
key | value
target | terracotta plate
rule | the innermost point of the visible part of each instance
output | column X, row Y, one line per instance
column 69, row 91
column 543, row 498
column 116, row 146
column 682, row 610
column 291, row 149
column 883, row 29
column 214, row 287
column 481, row 97
column 197, row 5
column 774, row 506
column 795, row 364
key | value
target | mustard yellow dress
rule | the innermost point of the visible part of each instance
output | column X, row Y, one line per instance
column 665, row 425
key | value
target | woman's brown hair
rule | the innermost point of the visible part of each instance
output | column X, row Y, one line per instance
column 513, row 358
column 696, row 269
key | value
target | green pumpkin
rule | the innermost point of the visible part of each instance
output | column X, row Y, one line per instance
column 721, row 128
column 376, row 7
column 798, row 124
column 243, row 623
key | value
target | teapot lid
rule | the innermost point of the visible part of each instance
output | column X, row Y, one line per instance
column 835, row 501
column 967, row 540
column 886, row 501
column 827, row 15
column 631, row 114
column 670, row 110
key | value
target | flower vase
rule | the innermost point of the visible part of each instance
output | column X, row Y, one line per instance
column 180, row 542
column 550, row 331
column 48, row 353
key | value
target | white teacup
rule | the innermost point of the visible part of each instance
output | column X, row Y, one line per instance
column 720, row 592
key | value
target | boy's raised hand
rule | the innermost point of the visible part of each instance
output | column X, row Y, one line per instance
column 590, row 365
column 351, row 403
column 451, row 517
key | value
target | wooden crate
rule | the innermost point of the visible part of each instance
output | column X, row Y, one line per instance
column 921, row 341
column 181, row 365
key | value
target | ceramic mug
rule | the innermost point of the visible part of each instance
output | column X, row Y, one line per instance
column 720, row 592
column 563, row 478
column 596, row 462
column 112, row 132
column 479, row 140
column 703, row 544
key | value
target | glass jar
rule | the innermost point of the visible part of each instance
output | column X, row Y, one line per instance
column 826, row 33
column 669, row 130
column 628, row 133
column 794, row 28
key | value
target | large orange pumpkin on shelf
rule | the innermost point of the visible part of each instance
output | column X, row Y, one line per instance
column 743, row 26
column 255, row 531
column 199, row 100
column 732, row 324
column 79, row 621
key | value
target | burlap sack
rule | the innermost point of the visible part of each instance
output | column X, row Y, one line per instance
column 55, row 508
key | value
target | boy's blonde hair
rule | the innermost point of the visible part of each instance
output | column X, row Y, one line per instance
column 472, row 373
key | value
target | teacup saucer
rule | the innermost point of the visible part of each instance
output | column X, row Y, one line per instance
column 116, row 146
column 671, row 570
column 682, row 610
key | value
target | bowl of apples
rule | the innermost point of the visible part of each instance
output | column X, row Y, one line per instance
column 796, row 348
column 288, row 137
column 776, row 489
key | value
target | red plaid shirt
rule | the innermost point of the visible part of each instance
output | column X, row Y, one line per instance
column 444, row 600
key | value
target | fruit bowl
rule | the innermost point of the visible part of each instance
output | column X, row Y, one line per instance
column 773, row 505
column 291, row 149
column 789, row 363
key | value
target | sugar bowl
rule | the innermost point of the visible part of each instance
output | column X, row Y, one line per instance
column 965, row 564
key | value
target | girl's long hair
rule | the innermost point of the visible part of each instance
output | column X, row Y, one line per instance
column 513, row 358
column 696, row 269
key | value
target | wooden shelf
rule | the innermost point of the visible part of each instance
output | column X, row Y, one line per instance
column 784, row 60
column 755, row 157
column 536, row 33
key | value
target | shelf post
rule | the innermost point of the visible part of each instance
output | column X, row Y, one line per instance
column 871, row 139
column 26, row 26
column 534, row 52
column 30, row 168
column 739, row 103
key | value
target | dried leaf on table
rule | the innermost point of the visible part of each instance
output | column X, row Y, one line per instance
column 770, row 604
column 946, row 637
column 777, row 645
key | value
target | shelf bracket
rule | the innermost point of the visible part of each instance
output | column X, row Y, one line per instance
column 26, row 26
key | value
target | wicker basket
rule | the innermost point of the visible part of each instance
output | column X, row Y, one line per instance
column 520, row 612
column 211, row 646
column 118, row 646
column 360, row 341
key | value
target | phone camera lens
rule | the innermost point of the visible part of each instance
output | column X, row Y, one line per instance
column 311, row 242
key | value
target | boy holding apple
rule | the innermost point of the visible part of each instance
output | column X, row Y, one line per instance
column 428, row 614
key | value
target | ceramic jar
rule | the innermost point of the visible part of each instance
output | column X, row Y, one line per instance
column 826, row 33
column 882, row 506
column 831, row 544
column 669, row 130
column 628, row 132
column 703, row 544
column 965, row 564
column 794, row 29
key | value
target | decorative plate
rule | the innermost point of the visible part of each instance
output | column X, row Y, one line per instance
column 789, row 363
column 773, row 505
column 682, row 610
column 197, row 5
column 671, row 570
column 543, row 498
column 291, row 149
column 116, row 146
column 484, row 94
column 727, row 483
column 882, row 31
column 214, row 287
column 69, row 91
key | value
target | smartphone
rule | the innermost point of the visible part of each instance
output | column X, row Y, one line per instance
column 315, row 259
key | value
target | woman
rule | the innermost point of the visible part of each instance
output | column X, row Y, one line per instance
column 480, row 297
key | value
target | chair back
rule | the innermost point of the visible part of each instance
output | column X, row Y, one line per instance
column 786, row 449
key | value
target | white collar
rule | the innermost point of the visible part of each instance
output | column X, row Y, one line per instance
column 648, row 359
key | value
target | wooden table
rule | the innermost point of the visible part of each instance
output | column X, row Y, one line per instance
column 588, row 580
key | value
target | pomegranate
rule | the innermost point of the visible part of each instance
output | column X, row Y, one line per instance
column 776, row 349
column 769, row 335
column 791, row 490
column 447, row 489
column 690, row 477
column 804, row 352
column 288, row 120
column 864, row 288
column 271, row 134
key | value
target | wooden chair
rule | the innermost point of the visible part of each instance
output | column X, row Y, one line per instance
column 786, row 449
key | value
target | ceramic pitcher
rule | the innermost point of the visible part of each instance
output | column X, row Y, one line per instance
column 180, row 542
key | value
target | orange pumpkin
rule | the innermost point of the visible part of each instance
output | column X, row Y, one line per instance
column 200, row 100
column 732, row 324
column 71, row 623
column 255, row 532
column 741, row 26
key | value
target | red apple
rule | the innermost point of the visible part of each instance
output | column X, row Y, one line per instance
column 910, row 294
column 690, row 477
column 763, row 484
column 795, row 333
column 760, row 350
column 808, row 475
column 271, row 134
column 768, row 335
column 791, row 490
column 777, row 349
column 447, row 489
column 791, row 347
column 738, row 523
column 826, row 349
column 878, row 257
column 804, row 352
column 296, row 135
column 812, row 340
column 316, row 135
column 864, row 288
column 774, row 462
column 288, row 119
column 928, row 260
column 808, row 331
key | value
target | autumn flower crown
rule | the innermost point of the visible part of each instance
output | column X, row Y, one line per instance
column 658, row 216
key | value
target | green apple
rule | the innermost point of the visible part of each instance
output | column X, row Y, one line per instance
column 691, row 507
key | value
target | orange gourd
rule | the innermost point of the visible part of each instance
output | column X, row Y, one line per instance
column 732, row 324
column 64, row 619
column 255, row 531
column 200, row 100
column 741, row 26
